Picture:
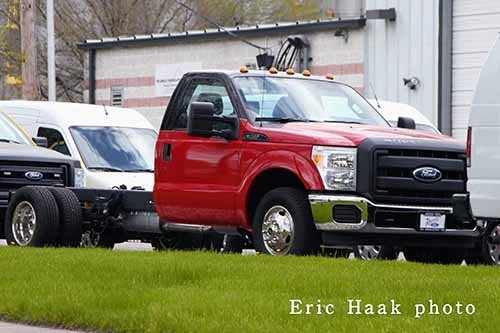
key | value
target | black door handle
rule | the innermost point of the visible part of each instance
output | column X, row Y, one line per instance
column 167, row 152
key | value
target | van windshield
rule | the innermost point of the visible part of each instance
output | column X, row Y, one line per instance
column 116, row 149
column 10, row 133
column 294, row 99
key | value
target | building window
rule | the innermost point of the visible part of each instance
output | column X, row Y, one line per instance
column 116, row 96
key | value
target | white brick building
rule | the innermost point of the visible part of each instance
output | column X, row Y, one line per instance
column 138, row 66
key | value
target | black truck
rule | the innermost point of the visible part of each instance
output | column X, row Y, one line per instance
column 34, row 177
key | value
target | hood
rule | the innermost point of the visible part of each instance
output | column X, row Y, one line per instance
column 349, row 135
column 29, row 153
column 108, row 180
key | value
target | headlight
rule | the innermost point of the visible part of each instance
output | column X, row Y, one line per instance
column 337, row 167
column 79, row 178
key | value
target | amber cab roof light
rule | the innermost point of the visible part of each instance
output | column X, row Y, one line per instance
column 273, row 70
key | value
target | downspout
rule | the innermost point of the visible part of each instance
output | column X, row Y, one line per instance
column 445, row 66
column 92, row 76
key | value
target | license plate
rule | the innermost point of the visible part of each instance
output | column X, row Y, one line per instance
column 432, row 222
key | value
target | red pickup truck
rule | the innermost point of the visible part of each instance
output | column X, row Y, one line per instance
column 291, row 163
column 296, row 163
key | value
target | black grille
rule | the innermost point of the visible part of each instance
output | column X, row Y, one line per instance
column 13, row 174
column 394, row 181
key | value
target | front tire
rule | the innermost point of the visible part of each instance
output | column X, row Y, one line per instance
column 32, row 218
column 283, row 224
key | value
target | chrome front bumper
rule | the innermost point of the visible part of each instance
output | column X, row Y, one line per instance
column 322, row 210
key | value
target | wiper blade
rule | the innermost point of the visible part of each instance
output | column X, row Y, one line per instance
column 343, row 122
column 106, row 169
column 139, row 170
column 10, row 141
column 282, row 120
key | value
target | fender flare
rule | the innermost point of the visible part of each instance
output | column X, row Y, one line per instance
column 291, row 161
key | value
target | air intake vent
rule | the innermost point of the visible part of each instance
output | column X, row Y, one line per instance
column 116, row 96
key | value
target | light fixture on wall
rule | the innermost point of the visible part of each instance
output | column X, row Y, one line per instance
column 342, row 33
column 412, row 83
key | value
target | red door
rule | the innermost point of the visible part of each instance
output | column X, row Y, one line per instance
column 197, row 178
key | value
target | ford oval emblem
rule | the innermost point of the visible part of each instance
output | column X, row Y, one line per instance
column 427, row 175
column 33, row 175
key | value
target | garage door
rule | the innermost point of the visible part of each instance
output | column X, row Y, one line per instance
column 476, row 25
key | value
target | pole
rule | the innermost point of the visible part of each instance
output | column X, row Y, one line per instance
column 51, row 54
column 28, row 49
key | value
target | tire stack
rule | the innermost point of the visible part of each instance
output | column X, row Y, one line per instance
column 43, row 216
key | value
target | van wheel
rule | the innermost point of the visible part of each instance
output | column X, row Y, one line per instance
column 70, row 214
column 490, row 251
column 283, row 224
column 375, row 252
column 32, row 218
column 445, row 256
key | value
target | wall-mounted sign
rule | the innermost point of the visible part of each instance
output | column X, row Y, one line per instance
column 168, row 75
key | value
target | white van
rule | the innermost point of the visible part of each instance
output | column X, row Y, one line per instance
column 483, row 159
column 391, row 111
column 115, row 145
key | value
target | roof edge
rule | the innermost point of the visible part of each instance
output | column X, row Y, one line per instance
column 204, row 35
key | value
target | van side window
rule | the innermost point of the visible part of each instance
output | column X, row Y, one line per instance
column 204, row 90
column 55, row 140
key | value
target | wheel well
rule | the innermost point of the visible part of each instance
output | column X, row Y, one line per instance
column 265, row 182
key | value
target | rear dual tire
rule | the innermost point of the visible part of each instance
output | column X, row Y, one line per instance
column 32, row 218
column 70, row 217
column 43, row 216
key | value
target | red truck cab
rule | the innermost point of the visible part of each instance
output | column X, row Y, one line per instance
column 299, row 162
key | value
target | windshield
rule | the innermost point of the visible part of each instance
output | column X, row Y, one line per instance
column 10, row 133
column 116, row 149
column 305, row 100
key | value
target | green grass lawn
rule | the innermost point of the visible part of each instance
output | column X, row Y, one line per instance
column 196, row 292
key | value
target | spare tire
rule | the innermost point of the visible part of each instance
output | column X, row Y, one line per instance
column 32, row 218
column 70, row 217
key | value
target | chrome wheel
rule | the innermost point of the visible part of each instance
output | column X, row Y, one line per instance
column 494, row 249
column 368, row 252
column 278, row 230
column 23, row 223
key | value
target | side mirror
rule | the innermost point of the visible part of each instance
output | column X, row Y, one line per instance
column 405, row 122
column 201, row 119
column 40, row 141
column 202, row 122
